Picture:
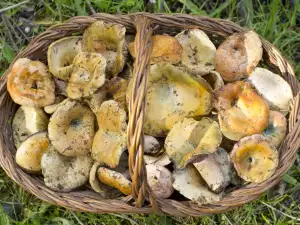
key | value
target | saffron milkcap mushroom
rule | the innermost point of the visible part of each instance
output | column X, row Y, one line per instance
column 27, row 121
column 160, row 160
column 214, row 79
column 71, row 129
column 60, row 56
column 110, row 140
column 198, row 53
column 30, row 152
column 238, row 55
column 29, row 83
column 255, row 158
column 273, row 88
column 242, row 112
column 190, row 184
column 87, row 76
column 190, row 138
column 64, row 173
column 117, row 87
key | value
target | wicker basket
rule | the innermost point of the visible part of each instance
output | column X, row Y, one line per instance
column 143, row 25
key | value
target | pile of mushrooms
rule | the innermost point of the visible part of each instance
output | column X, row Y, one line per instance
column 213, row 116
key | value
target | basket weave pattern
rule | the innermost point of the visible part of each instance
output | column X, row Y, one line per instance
column 143, row 25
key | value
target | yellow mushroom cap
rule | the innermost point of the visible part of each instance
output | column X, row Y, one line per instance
column 255, row 158
column 29, row 83
column 117, row 87
column 95, row 100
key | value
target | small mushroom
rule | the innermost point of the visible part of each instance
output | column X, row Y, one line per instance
column 117, row 87
column 190, row 138
column 71, row 129
column 255, row 158
column 29, row 83
column 214, row 79
column 30, row 152
column 95, row 100
column 61, row 54
column 242, row 112
column 110, row 140
column 238, row 55
column 160, row 160
column 160, row 180
column 198, row 53
column 276, row 130
column 27, row 121
column 191, row 185
column 151, row 145
column 87, row 76
column 164, row 48
column 59, row 101
column 216, row 170
column 273, row 88
column 63, row 173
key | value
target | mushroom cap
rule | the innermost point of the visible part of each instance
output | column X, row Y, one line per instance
column 117, row 87
column 29, row 83
column 151, row 145
column 59, row 101
column 60, row 87
column 61, row 54
column 160, row 160
column 71, row 129
column 255, row 158
column 30, row 152
column 216, row 170
column 168, row 89
column 110, row 140
column 198, row 53
column 242, row 112
column 190, row 138
column 27, row 121
column 273, row 88
column 107, row 39
column 214, row 79
column 95, row 100
column 276, row 130
column 87, row 76
column 238, row 55
column 164, row 48
column 191, row 185
column 63, row 173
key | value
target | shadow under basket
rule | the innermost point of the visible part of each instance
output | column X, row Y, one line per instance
column 142, row 199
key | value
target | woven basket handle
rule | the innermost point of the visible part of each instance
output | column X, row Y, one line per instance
column 136, row 108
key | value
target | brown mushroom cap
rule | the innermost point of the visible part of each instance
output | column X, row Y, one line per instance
column 29, row 83
column 151, row 145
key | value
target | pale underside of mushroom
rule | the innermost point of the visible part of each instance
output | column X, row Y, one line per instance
column 214, row 79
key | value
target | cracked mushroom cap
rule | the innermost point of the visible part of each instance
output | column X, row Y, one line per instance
column 255, row 158
column 198, row 53
column 87, row 76
column 27, row 121
column 164, row 48
column 29, row 83
column 71, row 129
column 107, row 39
column 238, row 55
column 242, row 112
column 110, row 140
column 63, row 173
column 214, row 79
column 60, row 56
column 189, row 139
column 30, row 152
column 273, row 88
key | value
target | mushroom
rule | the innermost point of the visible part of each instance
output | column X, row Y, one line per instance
column 160, row 160
column 216, row 170
column 110, row 140
column 214, row 79
column 29, row 83
column 27, row 121
column 160, row 180
column 71, row 129
column 151, row 145
column 117, row 87
column 255, row 158
column 30, row 152
column 191, row 185
column 107, row 39
column 276, row 130
column 242, row 112
column 61, row 54
column 273, row 88
column 60, row 86
column 63, row 173
column 164, row 48
column 238, row 55
column 59, row 101
column 87, row 76
column 198, row 53
column 168, row 89
column 188, row 139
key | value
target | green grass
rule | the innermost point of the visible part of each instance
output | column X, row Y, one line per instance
column 278, row 23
